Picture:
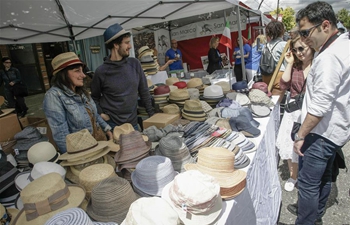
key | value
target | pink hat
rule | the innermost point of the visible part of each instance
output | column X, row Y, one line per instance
column 162, row 90
column 180, row 84
column 263, row 87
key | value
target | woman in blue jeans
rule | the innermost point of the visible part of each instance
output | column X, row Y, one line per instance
column 68, row 106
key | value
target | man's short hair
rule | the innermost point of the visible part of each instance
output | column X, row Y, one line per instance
column 118, row 41
column 317, row 12
column 274, row 29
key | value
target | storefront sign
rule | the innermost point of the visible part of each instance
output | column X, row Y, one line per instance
column 95, row 49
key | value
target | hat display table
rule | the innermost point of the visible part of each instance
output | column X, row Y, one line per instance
column 159, row 77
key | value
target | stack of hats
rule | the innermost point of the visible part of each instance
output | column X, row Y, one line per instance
column 133, row 149
column 180, row 84
column 175, row 149
column 193, row 111
column 125, row 128
column 240, row 86
column 199, row 204
column 241, row 159
column 151, row 86
column 110, row 200
column 151, row 175
column 149, row 65
column 219, row 163
column 225, row 86
column 261, row 103
column 263, row 87
column 42, row 194
column 241, row 98
column 26, row 138
column 196, row 83
column 212, row 95
column 178, row 97
column 161, row 94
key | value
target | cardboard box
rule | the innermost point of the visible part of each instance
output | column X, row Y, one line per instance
column 9, row 126
column 160, row 120
column 41, row 124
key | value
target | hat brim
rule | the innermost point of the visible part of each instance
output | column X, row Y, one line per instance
column 22, row 180
column 122, row 32
column 75, row 62
column 6, row 111
column 76, row 197
column 86, row 159
column 194, row 219
column 72, row 156
column 113, row 146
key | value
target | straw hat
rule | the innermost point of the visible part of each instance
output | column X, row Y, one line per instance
column 125, row 128
column 213, row 92
column 110, row 200
column 82, row 147
column 193, row 110
column 224, row 85
column 113, row 32
column 219, row 163
column 73, row 216
column 142, row 49
column 152, row 174
column 92, row 175
column 199, row 204
column 64, row 60
column 241, row 98
column 194, row 93
column 179, row 95
column 40, row 169
column 171, row 80
column 172, row 87
column 4, row 112
column 171, row 109
column 258, row 96
column 195, row 83
column 42, row 152
column 45, row 197
column 146, row 211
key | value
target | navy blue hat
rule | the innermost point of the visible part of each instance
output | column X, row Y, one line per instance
column 240, row 86
column 113, row 32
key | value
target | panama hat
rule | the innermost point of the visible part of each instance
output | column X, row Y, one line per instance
column 213, row 92
column 146, row 211
column 125, row 128
column 4, row 112
column 219, row 163
column 113, row 32
column 92, row 175
column 46, row 196
column 64, row 60
column 73, row 216
column 200, row 204
column 161, row 91
column 152, row 174
column 42, row 152
column 193, row 109
column 171, row 109
column 110, row 200
column 142, row 49
column 40, row 169
column 195, row 83
column 224, row 85
column 171, row 80
column 180, row 85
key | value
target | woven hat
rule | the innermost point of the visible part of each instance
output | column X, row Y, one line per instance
column 172, row 87
column 142, row 49
column 240, row 86
column 45, row 197
column 42, row 152
column 28, row 137
column 171, row 109
column 113, row 32
column 171, row 80
column 213, row 92
column 200, row 204
column 224, row 85
column 180, row 84
column 263, row 87
column 92, row 175
column 194, row 93
column 132, row 148
column 162, row 91
column 206, row 107
column 40, row 169
column 193, row 110
column 80, row 145
column 195, row 83
column 175, row 149
column 125, row 128
column 219, row 163
column 64, row 60
column 4, row 112
column 146, row 211
column 110, row 200
column 241, row 98
column 73, row 216
column 179, row 95
column 258, row 96
column 152, row 174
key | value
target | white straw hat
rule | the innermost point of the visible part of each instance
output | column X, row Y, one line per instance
column 42, row 152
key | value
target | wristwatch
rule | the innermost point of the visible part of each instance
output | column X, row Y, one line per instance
column 297, row 138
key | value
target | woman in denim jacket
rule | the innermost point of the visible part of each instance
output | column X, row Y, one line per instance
column 68, row 106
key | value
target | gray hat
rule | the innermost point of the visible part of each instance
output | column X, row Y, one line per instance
column 153, row 133
column 28, row 137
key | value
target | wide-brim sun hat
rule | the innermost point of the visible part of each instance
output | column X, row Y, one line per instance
column 200, row 204
column 113, row 32
column 45, row 197
column 64, row 60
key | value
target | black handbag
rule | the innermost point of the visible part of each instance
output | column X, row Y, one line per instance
column 295, row 129
column 20, row 89
column 298, row 103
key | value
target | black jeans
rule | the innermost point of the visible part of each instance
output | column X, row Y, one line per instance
column 238, row 72
column 15, row 102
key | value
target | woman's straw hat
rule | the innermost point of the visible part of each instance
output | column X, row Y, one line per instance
column 64, row 60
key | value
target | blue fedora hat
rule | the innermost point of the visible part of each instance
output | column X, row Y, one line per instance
column 240, row 86
column 113, row 32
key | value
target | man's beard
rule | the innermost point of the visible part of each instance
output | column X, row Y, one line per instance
column 123, row 53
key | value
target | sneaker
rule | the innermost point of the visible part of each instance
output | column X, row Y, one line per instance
column 293, row 208
column 290, row 184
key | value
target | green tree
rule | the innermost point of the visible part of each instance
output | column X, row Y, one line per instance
column 288, row 18
column 344, row 16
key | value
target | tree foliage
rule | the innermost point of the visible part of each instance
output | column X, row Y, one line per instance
column 344, row 16
column 288, row 18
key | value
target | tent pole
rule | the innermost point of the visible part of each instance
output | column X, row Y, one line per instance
column 241, row 43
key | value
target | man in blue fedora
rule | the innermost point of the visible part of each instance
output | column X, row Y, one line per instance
column 120, row 81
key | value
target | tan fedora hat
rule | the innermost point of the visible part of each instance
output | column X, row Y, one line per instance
column 179, row 95
column 45, row 197
column 4, row 112
column 92, row 175
column 80, row 144
column 64, row 60
column 171, row 80
column 219, row 163
column 171, row 109
column 125, row 128
column 86, row 158
column 195, row 83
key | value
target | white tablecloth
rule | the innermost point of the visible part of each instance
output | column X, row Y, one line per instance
column 159, row 77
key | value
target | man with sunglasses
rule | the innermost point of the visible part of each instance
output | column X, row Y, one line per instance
column 325, row 114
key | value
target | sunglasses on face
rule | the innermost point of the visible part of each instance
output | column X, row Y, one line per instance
column 305, row 33
column 7, row 62
column 298, row 49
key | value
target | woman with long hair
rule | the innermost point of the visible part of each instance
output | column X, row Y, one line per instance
column 299, row 59
column 214, row 57
column 68, row 106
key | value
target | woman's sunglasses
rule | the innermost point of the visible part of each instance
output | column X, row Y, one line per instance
column 305, row 33
column 298, row 49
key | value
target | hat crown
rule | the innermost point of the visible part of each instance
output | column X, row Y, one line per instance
column 217, row 159
column 258, row 96
column 193, row 105
column 213, row 91
column 41, row 152
column 132, row 146
column 180, row 84
column 171, row 109
column 113, row 32
column 240, row 85
column 80, row 141
column 162, row 90
column 194, row 82
column 42, row 168
column 171, row 80
column 179, row 94
column 143, row 48
column 125, row 128
column 63, row 60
